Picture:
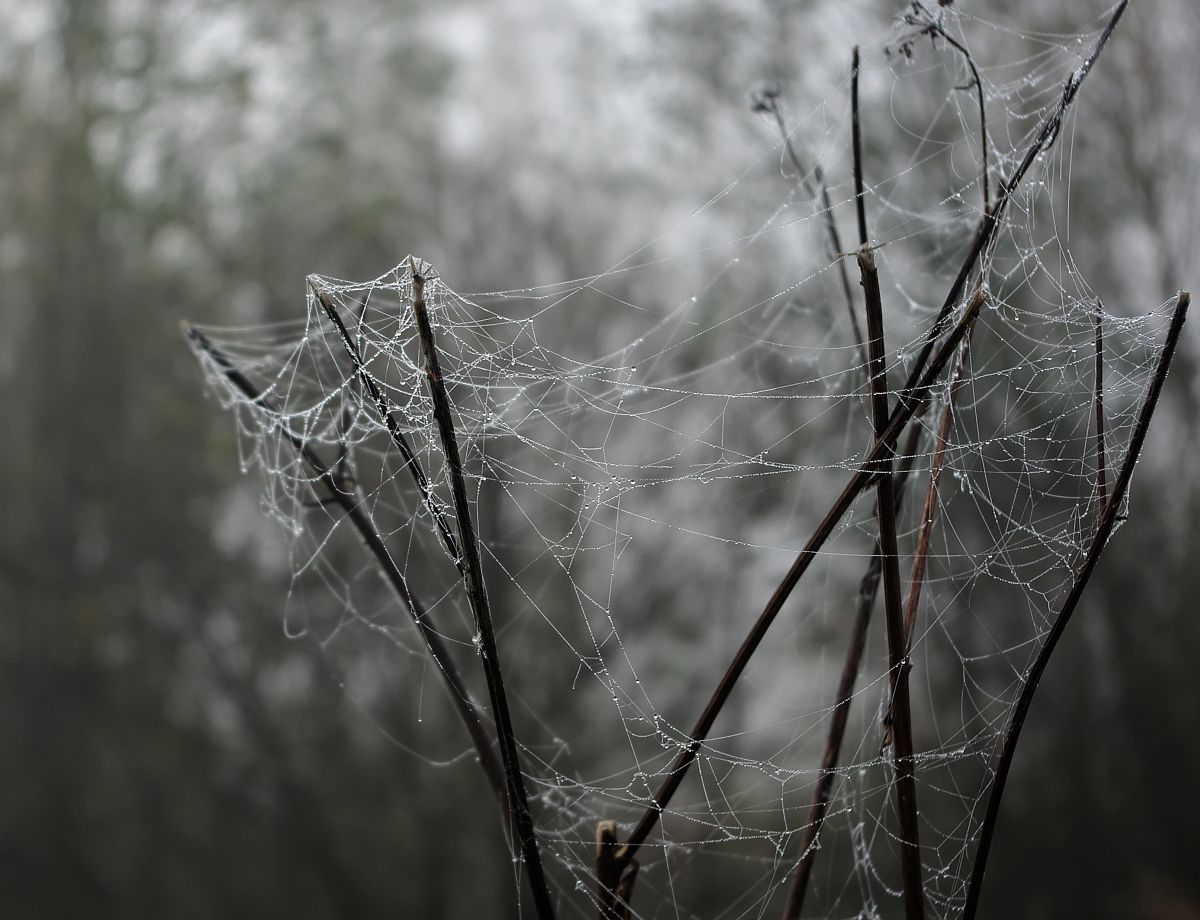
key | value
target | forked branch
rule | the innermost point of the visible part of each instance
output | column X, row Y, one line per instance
column 1103, row 530
column 867, row 591
column 351, row 504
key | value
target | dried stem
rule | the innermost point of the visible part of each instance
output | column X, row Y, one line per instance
column 898, row 666
column 928, row 23
column 1103, row 530
column 921, row 554
column 614, row 876
column 1101, row 462
column 983, row 129
column 351, row 503
column 929, row 512
column 770, row 103
column 868, row 589
column 928, row 516
column 522, row 819
column 860, row 205
column 869, row 586
column 388, row 416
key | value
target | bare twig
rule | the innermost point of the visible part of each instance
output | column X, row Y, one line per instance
column 868, row 589
column 769, row 102
column 928, row 516
column 350, row 502
column 522, row 819
column 1103, row 530
column 928, row 23
column 860, row 205
column 614, row 876
column 869, row 586
column 983, row 129
column 898, row 666
column 929, row 511
column 1101, row 462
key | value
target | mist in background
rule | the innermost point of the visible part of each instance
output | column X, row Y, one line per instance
column 166, row 749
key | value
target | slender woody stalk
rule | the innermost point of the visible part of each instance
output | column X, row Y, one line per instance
column 1101, row 462
column 1100, row 538
column 468, row 711
column 522, row 819
column 868, row 589
column 929, row 511
column 898, row 666
column 928, row 24
column 860, row 204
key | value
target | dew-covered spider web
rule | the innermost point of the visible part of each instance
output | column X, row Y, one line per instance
column 647, row 448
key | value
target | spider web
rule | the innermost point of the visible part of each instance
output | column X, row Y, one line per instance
column 647, row 449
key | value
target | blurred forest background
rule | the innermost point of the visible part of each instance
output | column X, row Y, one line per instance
column 165, row 750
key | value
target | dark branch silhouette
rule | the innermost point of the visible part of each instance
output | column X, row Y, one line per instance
column 351, row 504
column 522, row 819
column 1030, row 684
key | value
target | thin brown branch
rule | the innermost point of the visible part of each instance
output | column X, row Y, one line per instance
column 1103, row 530
column 522, row 819
column 921, row 553
column 614, row 876
column 898, row 666
column 1101, row 462
column 928, row 516
column 930, row 24
column 868, row 587
column 351, row 503
column 929, row 511
column 977, row 82
column 860, row 205
column 868, row 590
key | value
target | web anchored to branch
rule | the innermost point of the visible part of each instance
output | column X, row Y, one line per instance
column 580, row 493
